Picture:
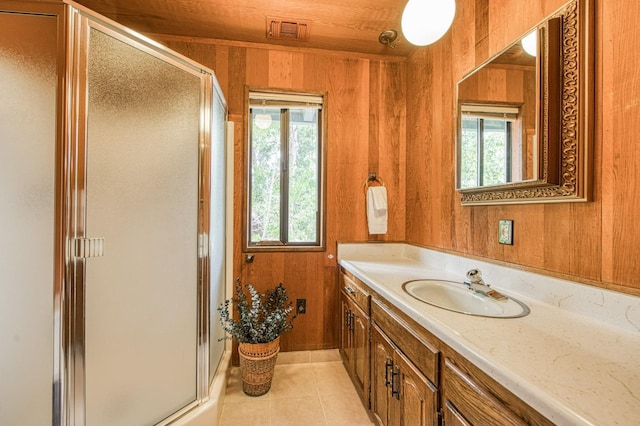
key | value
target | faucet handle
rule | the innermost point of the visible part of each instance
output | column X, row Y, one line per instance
column 474, row 275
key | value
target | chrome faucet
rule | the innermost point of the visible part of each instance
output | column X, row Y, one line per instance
column 476, row 284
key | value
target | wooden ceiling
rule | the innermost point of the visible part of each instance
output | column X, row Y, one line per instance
column 344, row 25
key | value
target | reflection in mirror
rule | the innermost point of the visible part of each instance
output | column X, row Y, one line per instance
column 494, row 147
column 524, row 116
column 497, row 109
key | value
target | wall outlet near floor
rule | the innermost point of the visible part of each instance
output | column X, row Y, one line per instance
column 301, row 306
column 505, row 232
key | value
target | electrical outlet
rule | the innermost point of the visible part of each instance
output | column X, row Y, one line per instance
column 301, row 306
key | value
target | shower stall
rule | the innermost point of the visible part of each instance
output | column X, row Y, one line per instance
column 112, row 222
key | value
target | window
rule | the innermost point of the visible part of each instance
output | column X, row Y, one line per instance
column 285, row 173
column 487, row 151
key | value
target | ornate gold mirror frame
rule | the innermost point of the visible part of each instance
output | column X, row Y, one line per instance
column 565, row 115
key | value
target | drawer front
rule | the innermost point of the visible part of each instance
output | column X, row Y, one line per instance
column 474, row 403
column 422, row 353
column 478, row 399
column 356, row 293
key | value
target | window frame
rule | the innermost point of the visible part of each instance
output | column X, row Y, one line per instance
column 296, row 99
column 511, row 115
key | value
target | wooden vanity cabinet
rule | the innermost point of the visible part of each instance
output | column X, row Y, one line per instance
column 409, row 377
column 400, row 393
column 404, row 368
column 355, row 334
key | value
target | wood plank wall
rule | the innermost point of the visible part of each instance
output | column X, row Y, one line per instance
column 366, row 132
column 397, row 119
column 596, row 242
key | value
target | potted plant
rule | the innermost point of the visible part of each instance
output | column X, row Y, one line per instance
column 262, row 318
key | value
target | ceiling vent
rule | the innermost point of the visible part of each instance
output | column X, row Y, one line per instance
column 287, row 29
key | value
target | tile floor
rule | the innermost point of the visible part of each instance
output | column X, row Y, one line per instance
column 309, row 388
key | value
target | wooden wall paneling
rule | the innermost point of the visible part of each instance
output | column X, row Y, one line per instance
column 300, row 277
column 605, row 115
column 481, row 231
column 238, row 201
column 348, row 149
column 376, row 114
column 620, row 126
column 316, row 70
column 392, row 145
column 530, row 238
column 463, row 41
column 420, row 68
column 221, row 67
column 347, row 83
column 619, row 178
column 562, row 239
column 465, row 44
column 387, row 143
column 286, row 69
column 446, row 133
column 508, row 21
column 432, row 162
column 481, row 26
column 203, row 54
column 258, row 68
column 236, row 86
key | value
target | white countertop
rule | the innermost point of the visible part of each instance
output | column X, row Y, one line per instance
column 575, row 358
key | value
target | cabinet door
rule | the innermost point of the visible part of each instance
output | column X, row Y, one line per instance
column 360, row 346
column 418, row 397
column 381, row 365
column 345, row 332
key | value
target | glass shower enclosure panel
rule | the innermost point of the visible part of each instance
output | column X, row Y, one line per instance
column 28, row 96
column 142, row 198
column 217, row 240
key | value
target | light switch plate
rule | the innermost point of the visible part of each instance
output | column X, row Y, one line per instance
column 505, row 232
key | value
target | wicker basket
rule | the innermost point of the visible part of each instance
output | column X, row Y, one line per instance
column 257, row 362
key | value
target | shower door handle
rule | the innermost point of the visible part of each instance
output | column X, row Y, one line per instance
column 84, row 248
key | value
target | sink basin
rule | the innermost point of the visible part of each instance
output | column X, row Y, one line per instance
column 457, row 297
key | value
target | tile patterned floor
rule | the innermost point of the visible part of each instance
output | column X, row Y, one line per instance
column 309, row 388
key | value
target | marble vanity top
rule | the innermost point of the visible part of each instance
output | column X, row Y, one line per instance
column 575, row 358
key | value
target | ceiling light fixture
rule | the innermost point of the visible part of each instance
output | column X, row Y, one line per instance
column 530, row 43
column 426, row 21
column 388, row 38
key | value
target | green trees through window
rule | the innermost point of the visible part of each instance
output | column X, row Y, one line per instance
column 285, row 176
column 485, row 152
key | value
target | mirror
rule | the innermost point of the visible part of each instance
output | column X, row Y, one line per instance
column 524, row 121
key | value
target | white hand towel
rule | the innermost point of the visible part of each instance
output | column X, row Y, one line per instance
column 377, row 209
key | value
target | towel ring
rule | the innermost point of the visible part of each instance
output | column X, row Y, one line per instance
column 372, row 178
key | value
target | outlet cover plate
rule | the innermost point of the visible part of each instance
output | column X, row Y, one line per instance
column 505, row 232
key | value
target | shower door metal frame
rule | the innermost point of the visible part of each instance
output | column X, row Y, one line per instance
column 80, row 22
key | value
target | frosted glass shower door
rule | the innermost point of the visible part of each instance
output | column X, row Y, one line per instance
column 142, row 198
column 28, row 85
